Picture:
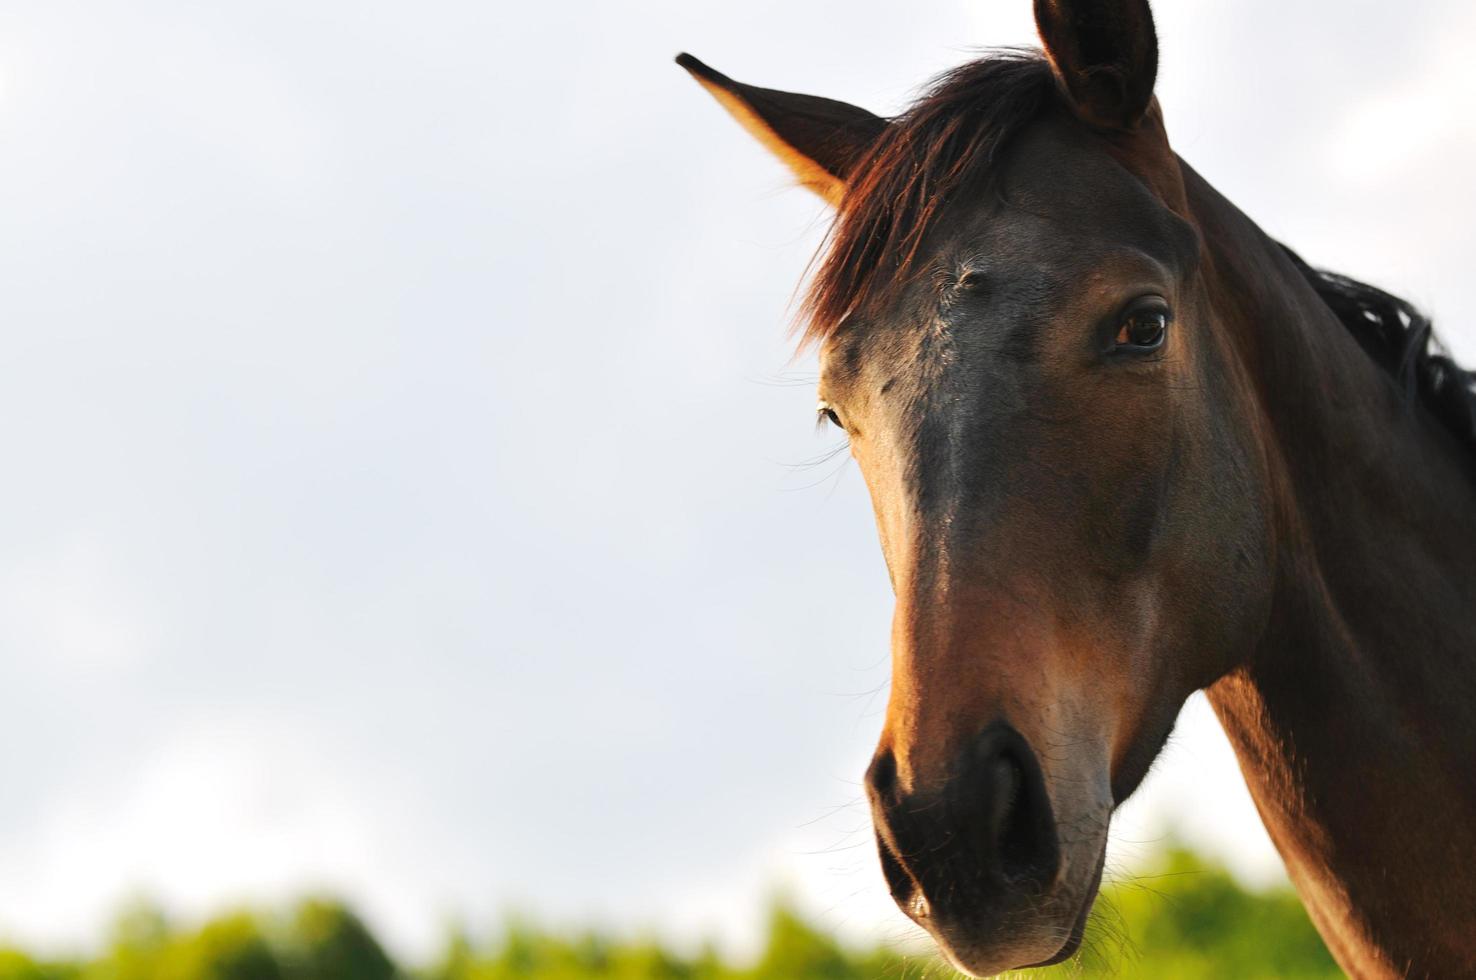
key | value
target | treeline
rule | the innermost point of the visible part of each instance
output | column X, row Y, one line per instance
column 1183, row 920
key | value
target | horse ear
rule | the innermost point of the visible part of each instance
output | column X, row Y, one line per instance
column 820, row 140
column 1105, row 56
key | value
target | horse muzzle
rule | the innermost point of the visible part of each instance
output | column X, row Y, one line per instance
column 980, row 861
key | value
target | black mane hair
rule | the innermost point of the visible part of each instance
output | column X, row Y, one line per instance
column 1400, row 339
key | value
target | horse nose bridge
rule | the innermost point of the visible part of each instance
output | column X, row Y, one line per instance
column 959, row 660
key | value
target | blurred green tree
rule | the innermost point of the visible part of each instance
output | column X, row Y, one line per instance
column 1182, row 919
column 232, row 947
column 15, row 965
column 326, row 941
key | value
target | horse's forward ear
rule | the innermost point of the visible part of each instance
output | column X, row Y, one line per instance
column 820, row 140
column 1105, row 55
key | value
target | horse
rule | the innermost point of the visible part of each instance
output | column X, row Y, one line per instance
column 1122, row 446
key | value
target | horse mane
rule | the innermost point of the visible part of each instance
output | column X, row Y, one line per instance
column 945, row 141
column 1400, row 339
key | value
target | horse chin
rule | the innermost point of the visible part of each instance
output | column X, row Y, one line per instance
column 1051, row 937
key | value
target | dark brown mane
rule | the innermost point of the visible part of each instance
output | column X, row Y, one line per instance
column 1400, row 339
column 944, row 141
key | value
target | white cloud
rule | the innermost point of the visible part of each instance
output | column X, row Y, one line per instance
column 226, row 810
column 70, row 611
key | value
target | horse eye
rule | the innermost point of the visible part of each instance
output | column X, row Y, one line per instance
column 1143, row 330
column 828, row 414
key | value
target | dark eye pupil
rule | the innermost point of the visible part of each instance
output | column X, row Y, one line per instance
column 834, row 418
column 1146, row 329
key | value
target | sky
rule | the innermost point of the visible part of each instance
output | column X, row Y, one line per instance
column 410, row 491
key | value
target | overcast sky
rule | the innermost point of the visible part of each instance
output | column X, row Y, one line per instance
column 401, row 446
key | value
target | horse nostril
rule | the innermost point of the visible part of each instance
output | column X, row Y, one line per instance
column 896, row 827
column 1020, row 824
column 1004, row 779
column 904, row 889
column 881, row 775
column 984, row 834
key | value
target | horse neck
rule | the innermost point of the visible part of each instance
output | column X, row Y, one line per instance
column 1352, row 719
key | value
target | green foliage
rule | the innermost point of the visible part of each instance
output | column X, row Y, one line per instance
column 1182, row 920
column 328, row 942
column 798, row 949
column 227, row 948
column 15, row 965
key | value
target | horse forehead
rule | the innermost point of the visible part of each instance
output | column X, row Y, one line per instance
column 1060, row 187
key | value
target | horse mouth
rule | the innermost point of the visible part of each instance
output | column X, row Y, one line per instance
column 966, row 956
column 1078, row 929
